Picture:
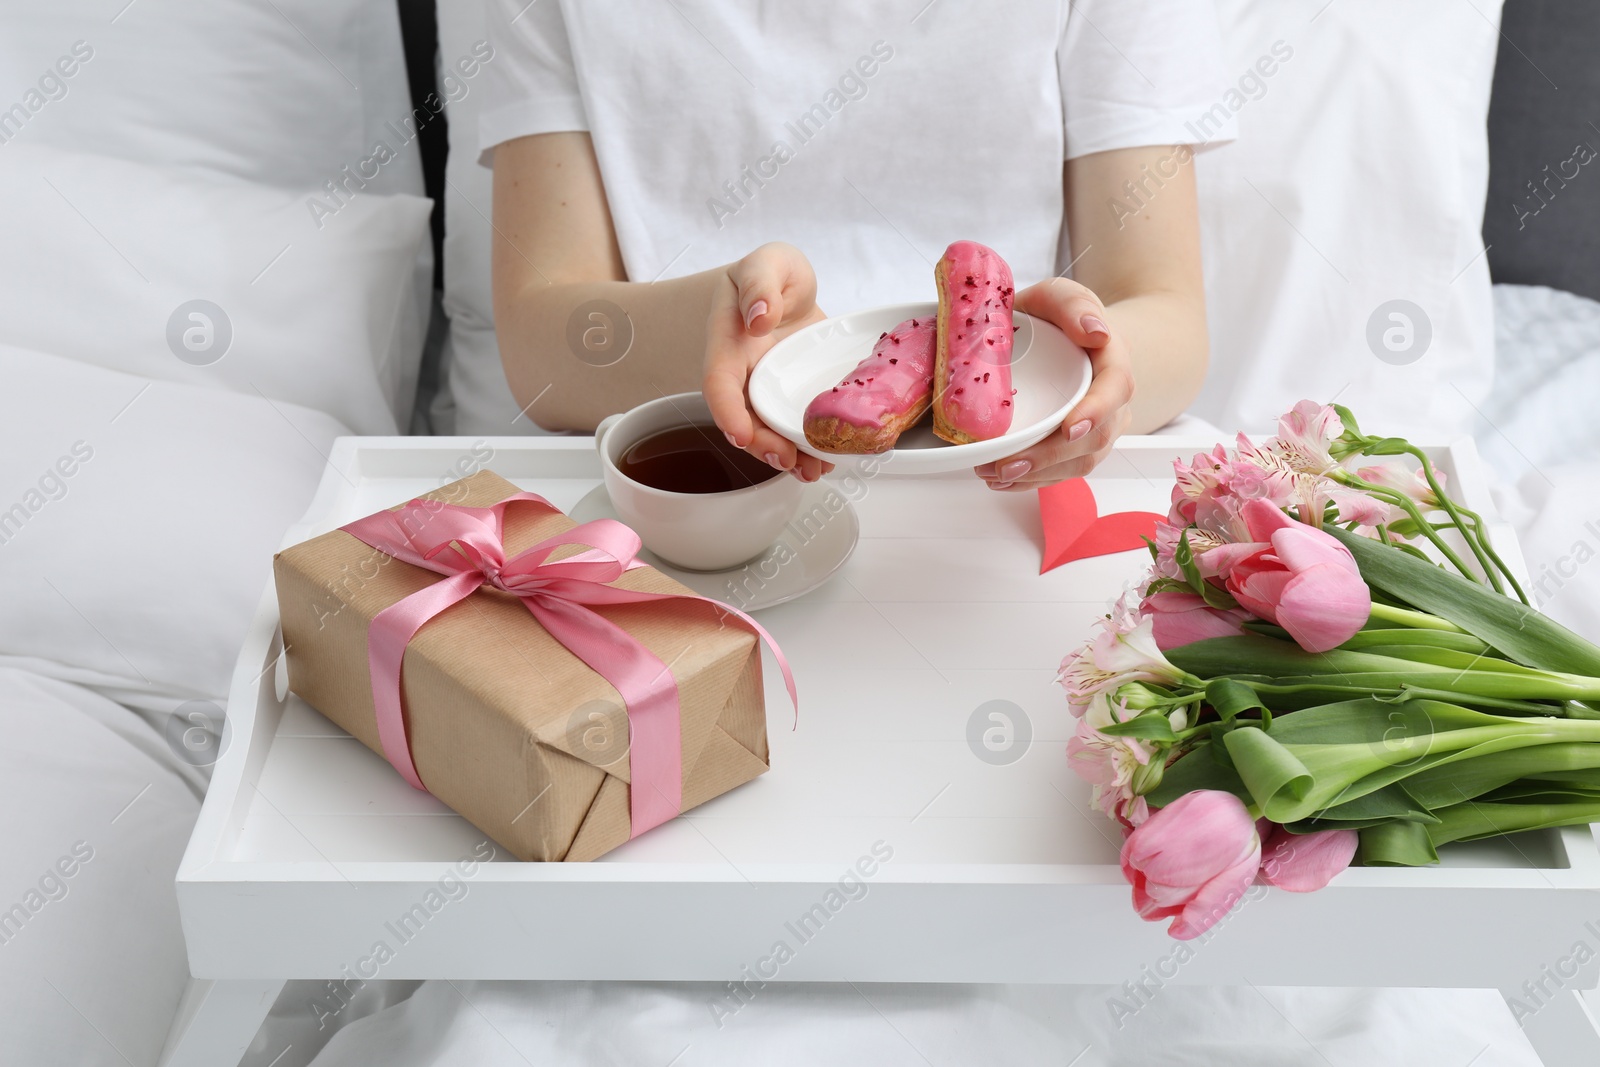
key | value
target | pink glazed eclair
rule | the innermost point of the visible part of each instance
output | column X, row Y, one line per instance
column 882, row 398
column 972, row 395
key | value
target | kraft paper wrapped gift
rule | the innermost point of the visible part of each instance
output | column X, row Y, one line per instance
column 505, row 724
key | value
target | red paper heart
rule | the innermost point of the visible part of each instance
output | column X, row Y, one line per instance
column 1075, row 529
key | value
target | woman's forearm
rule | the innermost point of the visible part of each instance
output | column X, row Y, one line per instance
column 1166, row 333
column 575, row 352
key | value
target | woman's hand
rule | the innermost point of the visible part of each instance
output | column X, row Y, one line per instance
column 765, row 297
column 1093, row 426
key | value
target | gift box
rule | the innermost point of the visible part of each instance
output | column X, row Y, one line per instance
column 500, row 703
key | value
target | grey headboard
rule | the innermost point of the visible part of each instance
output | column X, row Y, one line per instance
column 1544, row 129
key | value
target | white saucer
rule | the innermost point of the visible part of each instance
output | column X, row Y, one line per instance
column 811, row 548
column 1049, row 372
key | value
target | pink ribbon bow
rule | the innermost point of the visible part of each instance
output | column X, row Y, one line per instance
column 466, row 546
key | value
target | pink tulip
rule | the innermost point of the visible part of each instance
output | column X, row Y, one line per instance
column 1302, row 863
column 1300, row 578
column 1179, row 618
column 1192, row 860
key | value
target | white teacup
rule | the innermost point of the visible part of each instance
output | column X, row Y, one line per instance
column 696, row 531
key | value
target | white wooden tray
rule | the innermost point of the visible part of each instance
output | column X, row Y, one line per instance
column 310, row 849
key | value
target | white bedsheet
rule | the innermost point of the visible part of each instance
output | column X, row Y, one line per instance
column 98, row 810
column 1541, row 412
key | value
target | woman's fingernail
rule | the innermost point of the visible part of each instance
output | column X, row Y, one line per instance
column 999, row 485
column 758, row 309
column 1079, row 429
column 1010, row 472
column 731, row 439
column 773, row 461
column 1094, row 324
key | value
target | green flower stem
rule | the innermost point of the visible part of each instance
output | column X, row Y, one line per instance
column 1477, row 526
column 1450, row 509
column 1409, row 506
column 1410, row 619
column 1463, row 684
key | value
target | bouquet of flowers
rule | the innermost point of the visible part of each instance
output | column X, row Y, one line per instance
column 1327, row 662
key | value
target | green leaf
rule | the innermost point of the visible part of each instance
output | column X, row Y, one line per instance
column 1162, row 585
column 1479, row 819
column 1199, row 769
column 1458, row 782
column 1278, row 782
column 1316, row 826
column 1348, row 419
column 1350, row 749
column 1149, row 726
column 1266, row 629
column 1231, row 697
column 1533, row 789
column 1393, row 801
column 1517, row 630
column 1255, row 654
column 1183, row 555
column 1396, row 844
column 1388, row 634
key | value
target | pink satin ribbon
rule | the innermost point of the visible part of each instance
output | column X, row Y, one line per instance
column 466, row 546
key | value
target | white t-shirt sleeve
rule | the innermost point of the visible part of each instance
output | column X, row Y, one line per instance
column 1142, row 72
column 531, row 86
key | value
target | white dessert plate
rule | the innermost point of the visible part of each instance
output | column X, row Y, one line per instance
column 1048, row 371
column 811, row 548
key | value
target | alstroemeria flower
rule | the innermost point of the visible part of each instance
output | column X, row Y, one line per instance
column 1213, row 556
column 1192, row 860
column 1109, row 764
column 1409, row 483
column 1306, row 432
column 1300, row 578
column 1209, row 491
column 1124, row 650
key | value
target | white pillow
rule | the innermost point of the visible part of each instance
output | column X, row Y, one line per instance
column 138, row 521
column 1358, row 178
column 475, row 398
column 279, row 91
column 106, row 256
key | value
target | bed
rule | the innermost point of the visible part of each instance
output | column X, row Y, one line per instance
column 137, row 438
column 190, row 316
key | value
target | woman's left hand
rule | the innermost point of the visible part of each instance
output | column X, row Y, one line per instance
column 1093, row 426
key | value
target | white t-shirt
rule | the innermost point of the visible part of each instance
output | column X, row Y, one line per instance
column 868, row 134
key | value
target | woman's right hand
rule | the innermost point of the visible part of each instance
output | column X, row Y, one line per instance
column 764, row 297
